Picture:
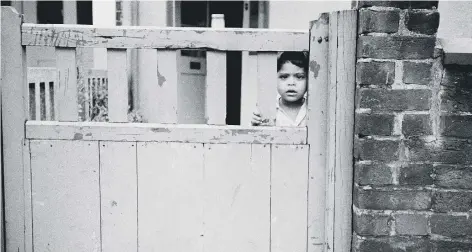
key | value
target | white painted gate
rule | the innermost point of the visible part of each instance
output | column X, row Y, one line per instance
column 161, row 186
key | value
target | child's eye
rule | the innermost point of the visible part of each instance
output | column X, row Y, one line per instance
column 300, row 76
column 283, row 76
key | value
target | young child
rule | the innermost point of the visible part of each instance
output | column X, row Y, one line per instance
column 292, row 74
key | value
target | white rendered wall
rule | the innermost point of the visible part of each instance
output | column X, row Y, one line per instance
column 104, row 15
column 455, row 19
column 298, row 14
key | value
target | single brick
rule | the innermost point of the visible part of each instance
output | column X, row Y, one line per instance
column 451, row 226
column 457, row 89
column 456, row 126
column 377, row 150
column 375, row 73
column 453, row 177
column 393, row 244
column 384, row 21
column 452, row 246
column 395, row 47
column 400, row 4
column 452, row 201
column 392, row 200
column 445, row 151
column 373, row 174
column 425, row 22
column 371, row 224
column 416, row 174
column 381, row 100
column 411, row 224
column 416, row 125
column 371, row 124
column 417, row 73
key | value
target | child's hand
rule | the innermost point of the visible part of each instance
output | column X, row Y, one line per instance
column 256, row 119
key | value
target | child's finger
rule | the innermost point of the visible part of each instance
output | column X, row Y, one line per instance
column 256, row 117
column 256, row 114
column 255, row 123
column 256, row 120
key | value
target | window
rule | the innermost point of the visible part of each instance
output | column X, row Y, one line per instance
column 50, row 12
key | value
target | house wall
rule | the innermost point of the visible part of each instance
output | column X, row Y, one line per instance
column 413, row 176
column 298, row 14
column 456, row 19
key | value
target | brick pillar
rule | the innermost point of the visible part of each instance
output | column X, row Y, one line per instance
column 413, row 142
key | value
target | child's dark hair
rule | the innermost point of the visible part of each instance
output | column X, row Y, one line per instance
column 299, row 59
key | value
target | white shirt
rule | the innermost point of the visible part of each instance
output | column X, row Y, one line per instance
column 282, row 119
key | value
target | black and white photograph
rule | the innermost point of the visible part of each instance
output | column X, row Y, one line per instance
column 235, row 126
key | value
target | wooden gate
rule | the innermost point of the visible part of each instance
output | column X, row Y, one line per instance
column 74, row 185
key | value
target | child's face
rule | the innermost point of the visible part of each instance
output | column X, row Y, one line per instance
column 291, row 82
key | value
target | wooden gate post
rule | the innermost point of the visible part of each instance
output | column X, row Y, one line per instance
column 13, row 117
column 331, row 130
column 2, row 226
column 317, row 130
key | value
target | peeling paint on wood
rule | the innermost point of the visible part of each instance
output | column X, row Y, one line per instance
column 160, row 78
column 93, row 131
column 315, row 68
column 227, row 39
column 317, row 128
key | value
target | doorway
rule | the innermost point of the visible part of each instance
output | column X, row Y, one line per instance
column 198, row 14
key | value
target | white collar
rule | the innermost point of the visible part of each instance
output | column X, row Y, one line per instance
column 301, row 113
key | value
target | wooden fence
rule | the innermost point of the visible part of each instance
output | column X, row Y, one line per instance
column 163, row 186
column 42, row 83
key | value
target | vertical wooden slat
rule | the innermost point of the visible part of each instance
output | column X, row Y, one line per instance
column 2, row 226
column 345, row 78
column 215, row 91
column 267, row 86
column 66, row 195
column 28, row 198
column 170, row 197
column 67, row 92
column 37, row 101
column 14, row 114
column 248, row 87
column 117, row 85
column 289, row 185
column 118, row 190
column 82, row 95
column 331, row 134
column 158, row 85
column 237, row 197
column 317, row 129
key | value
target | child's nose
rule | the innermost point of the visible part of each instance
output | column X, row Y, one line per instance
column 291, row 80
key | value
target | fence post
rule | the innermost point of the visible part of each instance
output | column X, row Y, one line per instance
column 340, row 142
column 317, row 130
column 2, row 226
column 14, row 115
column 331, row 130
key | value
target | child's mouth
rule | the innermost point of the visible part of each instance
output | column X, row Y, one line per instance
column 291, row 92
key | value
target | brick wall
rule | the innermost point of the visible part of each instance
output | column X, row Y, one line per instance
column 413, row 142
